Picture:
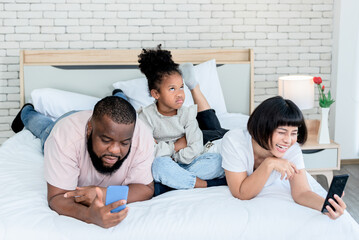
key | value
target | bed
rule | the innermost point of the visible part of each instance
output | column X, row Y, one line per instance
column 55, row 81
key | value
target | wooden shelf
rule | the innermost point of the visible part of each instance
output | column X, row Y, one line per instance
column 312, row 140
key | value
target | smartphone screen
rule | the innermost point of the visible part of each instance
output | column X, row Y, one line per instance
column 116, row 193
column 336, row 187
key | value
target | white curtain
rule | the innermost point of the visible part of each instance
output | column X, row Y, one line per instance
column 347, row 80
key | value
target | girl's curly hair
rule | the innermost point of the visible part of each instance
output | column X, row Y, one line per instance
column 156, row 64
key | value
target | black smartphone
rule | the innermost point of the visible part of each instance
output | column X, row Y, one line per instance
column 336, row 187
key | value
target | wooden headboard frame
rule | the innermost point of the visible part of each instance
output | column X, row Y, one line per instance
column 130, row 57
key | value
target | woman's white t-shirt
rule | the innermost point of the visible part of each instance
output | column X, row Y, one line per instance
column 237, row 154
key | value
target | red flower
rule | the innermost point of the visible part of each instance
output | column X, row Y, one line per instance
column 324, row 100
column 317, row 80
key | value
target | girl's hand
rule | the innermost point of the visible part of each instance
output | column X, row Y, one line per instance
column 180, row 143
column 284, row 167
column 338, row 207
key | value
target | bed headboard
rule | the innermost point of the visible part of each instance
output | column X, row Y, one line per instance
column 92, row 72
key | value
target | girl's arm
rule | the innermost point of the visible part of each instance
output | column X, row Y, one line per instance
column 194, row 138
column 161, row 148
column 303, row 195
column 194, row 146
column 180, row 143
column 247, row 187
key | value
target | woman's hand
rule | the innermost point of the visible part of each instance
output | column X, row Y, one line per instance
column 338, row 207
column 284, row 167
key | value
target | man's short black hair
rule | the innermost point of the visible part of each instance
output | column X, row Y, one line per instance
column 117, row 109
column 271, row 114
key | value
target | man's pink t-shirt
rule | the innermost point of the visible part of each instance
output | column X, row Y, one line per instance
column 68, row 164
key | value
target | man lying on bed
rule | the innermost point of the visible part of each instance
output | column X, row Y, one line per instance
column 87, row 151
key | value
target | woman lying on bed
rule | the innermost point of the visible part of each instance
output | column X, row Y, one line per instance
column 269, row 149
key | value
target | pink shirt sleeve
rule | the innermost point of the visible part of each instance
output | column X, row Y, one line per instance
column 140, row 170
column 61, row 166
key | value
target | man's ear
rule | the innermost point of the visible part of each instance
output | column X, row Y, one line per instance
column 155, row 94
column 89, row 128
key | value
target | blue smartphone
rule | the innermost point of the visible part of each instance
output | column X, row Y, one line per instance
column 116, row 193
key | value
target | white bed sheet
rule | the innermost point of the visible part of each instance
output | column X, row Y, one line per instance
column 210, row 213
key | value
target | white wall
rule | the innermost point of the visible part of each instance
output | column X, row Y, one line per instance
column 288, row 36
column 347, row 79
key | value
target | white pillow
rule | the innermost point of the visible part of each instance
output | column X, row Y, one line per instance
column 207, row 76
column 137, row 89
column 54, row 102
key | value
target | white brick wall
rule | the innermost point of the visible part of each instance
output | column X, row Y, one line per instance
column 288, row 36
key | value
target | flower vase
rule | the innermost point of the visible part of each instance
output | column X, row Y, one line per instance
column 323, row 134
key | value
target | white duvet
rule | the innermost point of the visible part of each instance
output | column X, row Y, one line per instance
column 210, row 213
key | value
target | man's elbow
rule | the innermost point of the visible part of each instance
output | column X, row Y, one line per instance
column 151, row 190
column 51, row 200
column 53, row 204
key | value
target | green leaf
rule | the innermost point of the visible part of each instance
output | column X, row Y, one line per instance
column 324, row 101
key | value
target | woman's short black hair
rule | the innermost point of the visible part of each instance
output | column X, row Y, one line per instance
column 156, row 64
column 271, row 114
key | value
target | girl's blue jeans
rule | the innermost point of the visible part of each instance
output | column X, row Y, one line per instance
column 183, row 176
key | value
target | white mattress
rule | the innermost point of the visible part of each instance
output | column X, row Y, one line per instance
column 210, row 213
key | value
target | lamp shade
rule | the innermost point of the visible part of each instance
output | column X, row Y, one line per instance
column 299, row 89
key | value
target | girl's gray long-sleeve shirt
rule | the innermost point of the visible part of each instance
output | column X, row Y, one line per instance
column 168, row 129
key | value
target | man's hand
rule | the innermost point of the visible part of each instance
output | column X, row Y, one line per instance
column 101, row 215
column 85, row 195
column 96, row 212
column 180, row 143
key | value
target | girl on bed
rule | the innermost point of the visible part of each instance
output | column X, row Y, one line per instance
column 269, row 150
column 181, row 160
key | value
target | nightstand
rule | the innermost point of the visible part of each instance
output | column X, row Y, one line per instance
column 320, row 159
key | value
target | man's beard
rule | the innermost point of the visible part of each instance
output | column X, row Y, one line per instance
column 97, row 161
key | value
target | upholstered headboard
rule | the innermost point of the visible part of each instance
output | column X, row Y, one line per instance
column 92, row 72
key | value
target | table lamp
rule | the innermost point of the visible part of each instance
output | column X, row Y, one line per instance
column 299, row 89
